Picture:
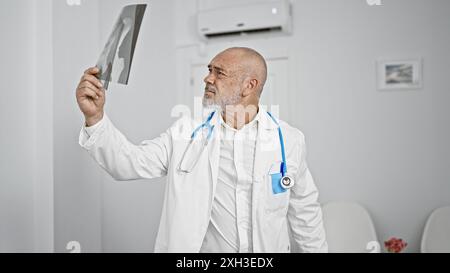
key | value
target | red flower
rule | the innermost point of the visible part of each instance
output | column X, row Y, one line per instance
column 395, row 245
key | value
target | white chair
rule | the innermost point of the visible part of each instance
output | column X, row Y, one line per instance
column 349, row 228
column 436, row 235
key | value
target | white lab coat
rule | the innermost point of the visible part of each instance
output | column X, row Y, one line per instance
column 188, row 197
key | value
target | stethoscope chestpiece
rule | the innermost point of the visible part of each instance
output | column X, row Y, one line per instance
column 287, row 182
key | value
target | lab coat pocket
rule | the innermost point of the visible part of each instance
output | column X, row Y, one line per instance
column 277, row 198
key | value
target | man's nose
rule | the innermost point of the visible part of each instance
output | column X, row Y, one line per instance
column 209, row 79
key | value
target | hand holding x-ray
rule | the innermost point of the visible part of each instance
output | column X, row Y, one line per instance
column 116, row 58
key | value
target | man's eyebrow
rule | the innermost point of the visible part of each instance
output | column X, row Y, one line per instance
column 216, row 68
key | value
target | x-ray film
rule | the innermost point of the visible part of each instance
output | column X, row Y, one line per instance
column 116, row 58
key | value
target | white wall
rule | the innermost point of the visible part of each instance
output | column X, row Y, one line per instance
column 43, row 126
column 26, row 185
column 385, row 150
column 77, row 180
column 16, row 227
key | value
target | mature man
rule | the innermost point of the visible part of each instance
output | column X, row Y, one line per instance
column 236, row 183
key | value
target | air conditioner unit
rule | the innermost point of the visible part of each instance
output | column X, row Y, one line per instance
column 268, row 16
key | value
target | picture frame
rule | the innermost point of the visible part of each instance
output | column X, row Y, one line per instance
column 402, row 74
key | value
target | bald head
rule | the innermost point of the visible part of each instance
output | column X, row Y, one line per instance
column 250, row 63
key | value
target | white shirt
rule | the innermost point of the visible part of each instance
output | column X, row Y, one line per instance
column 230, row 227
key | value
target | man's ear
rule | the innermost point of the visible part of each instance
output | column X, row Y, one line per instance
column 250, row 87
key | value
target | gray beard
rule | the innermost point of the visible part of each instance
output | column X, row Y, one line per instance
column 223, row 102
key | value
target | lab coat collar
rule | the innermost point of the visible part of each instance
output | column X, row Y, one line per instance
column 266, row 122
column 263, row 119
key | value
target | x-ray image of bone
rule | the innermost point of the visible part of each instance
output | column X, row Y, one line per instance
column 116, row 58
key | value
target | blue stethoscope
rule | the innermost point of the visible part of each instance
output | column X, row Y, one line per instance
column 187, row 164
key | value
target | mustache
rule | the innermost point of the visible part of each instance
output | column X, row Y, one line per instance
column 210, row 88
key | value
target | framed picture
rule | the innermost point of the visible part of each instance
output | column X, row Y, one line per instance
column 399, row 74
